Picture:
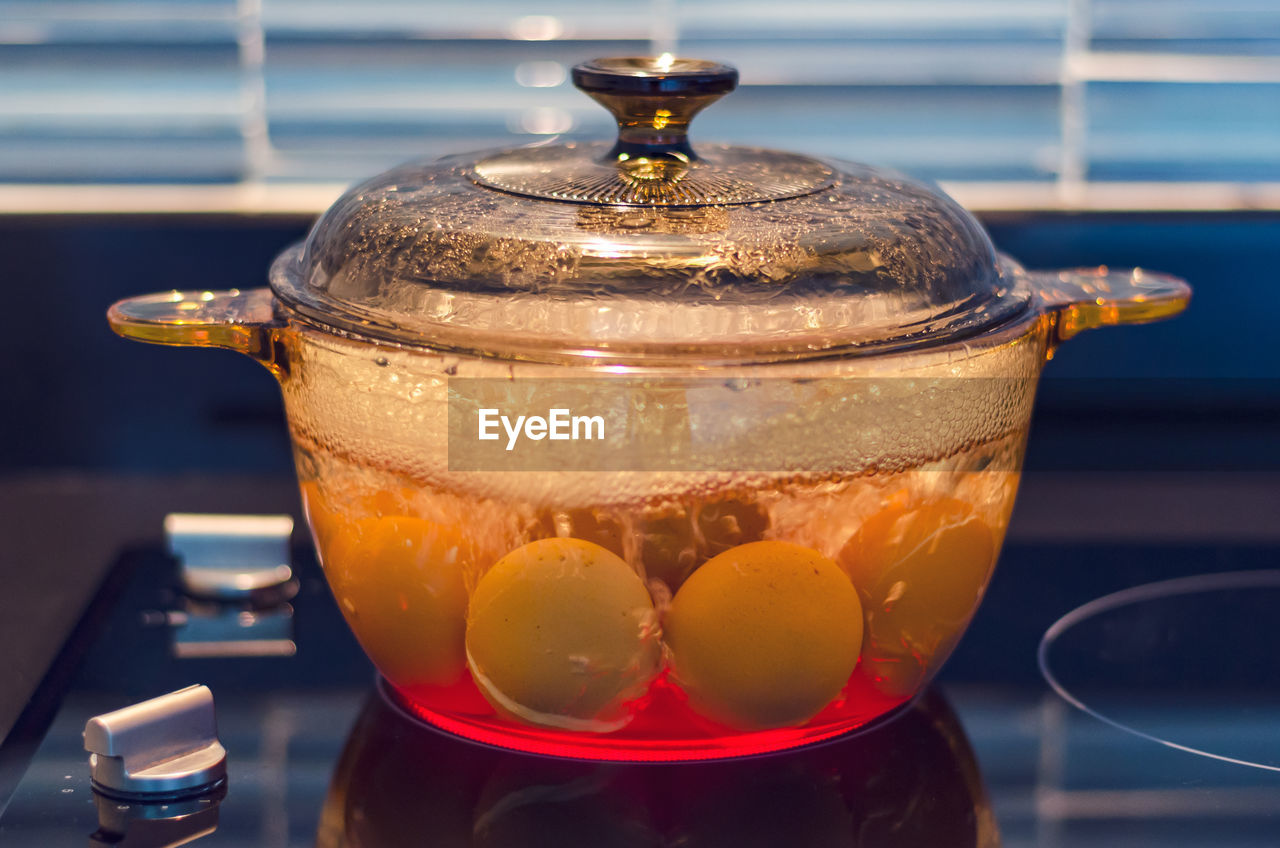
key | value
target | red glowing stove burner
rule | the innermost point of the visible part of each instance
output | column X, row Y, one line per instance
column 664, row 730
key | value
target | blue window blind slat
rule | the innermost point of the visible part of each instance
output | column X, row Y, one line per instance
column 1160, row 132
column 330, row 90
column 1156, row 20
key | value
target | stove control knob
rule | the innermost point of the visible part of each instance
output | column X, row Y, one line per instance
column 165, row 746
column 233, row 557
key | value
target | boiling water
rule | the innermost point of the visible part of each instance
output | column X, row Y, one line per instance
column 905, row 493
column 664, row 537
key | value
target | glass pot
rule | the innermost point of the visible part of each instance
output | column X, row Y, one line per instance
column 642, row 451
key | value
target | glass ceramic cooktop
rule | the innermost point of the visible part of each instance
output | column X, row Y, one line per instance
column 316, row 756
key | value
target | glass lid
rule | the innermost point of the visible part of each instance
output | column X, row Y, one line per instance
column 648, row 246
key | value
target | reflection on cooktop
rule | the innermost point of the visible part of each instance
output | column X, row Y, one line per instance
column 909, row 782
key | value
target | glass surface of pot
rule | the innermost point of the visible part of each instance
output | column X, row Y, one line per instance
column 654, row 451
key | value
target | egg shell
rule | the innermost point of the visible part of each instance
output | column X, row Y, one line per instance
column 764, row 635
column 562, row 633
column 399, row 582
column 920, row 568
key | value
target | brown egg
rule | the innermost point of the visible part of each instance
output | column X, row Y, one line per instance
column 399, row 582
column 562, row 633
column 331, row 512
column 764, row 635
column 920, row 569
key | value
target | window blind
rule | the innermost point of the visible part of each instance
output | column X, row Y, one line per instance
column 1060, row 94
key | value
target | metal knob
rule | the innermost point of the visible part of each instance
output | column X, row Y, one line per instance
column 165, row 746
column 232, row 557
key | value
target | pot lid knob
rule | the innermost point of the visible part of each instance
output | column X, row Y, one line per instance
column 653, row 99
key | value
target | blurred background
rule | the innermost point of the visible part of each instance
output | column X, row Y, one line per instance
column 156, row 144
column 242, row 92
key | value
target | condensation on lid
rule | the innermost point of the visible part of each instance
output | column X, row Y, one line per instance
column 652, row 244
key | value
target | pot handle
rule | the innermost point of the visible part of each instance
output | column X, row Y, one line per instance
column 243, row 321
column 1084, row 298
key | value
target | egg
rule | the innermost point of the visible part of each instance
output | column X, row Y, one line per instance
column 320, row 517
column 920, row 568
column 562, row 633
column 764, row 635
column 399, row 582
column 332, row 510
